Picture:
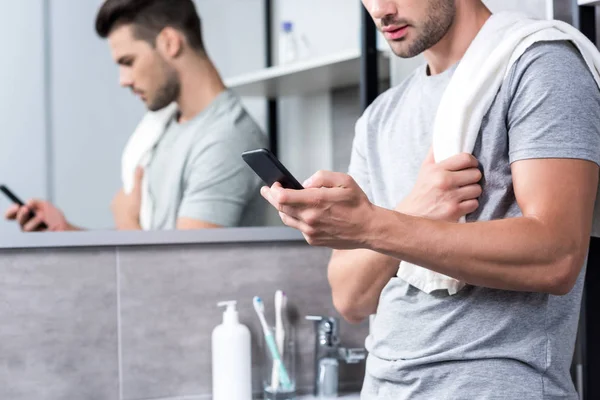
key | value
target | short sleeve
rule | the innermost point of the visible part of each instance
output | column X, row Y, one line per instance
column 554, row 110
column 358, row 168
column 218, row 185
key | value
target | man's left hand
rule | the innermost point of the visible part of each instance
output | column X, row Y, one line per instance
column 331, row 211
column 126, row 206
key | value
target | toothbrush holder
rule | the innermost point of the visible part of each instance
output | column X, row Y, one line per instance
column 272, row 387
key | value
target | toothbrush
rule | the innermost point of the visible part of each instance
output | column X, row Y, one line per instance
column 279, row 335
column 259, row 307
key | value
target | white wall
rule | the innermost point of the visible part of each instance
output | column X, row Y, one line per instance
column 305, row 125
column 329, row 25
column 22, row 115
column 534, row 8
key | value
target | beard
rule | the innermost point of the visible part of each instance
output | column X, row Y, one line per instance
column 440, row 17
column 168, row 92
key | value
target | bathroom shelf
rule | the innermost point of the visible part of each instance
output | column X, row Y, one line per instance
column 588, row 2
column 303, row 77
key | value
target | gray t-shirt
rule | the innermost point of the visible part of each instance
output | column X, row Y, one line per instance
column 480, row 343
column 197, row 170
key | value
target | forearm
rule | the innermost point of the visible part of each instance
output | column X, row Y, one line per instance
column 521, row 254
column 128, row 225
column 357, row 278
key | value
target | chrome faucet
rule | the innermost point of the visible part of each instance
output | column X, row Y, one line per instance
column 328, row 354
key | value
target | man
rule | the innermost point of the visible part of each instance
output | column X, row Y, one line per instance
column 196, row 176
column 509, row 334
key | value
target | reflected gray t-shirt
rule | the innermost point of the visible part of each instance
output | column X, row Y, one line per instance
column 197, row 171
column 480, row 343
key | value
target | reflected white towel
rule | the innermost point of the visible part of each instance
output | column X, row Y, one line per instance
column 471, row 91
column 138, row 152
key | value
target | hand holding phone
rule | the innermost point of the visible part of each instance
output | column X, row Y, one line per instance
column 270, row 169
column 16, row 200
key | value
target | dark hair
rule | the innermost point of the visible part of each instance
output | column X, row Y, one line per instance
column 149, row 17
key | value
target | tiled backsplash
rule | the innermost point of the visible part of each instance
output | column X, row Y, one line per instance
column 134, row 323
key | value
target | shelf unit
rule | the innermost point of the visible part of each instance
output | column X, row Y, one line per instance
column 588, row 2
column 316, row 75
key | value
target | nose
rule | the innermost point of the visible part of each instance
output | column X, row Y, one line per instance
column 125, row 77
column 379, row 9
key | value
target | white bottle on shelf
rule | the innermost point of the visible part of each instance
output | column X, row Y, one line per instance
column 288, row 46
column 231, row 357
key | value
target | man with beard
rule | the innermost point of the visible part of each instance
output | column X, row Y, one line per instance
column 195, row 177
column 509, row 333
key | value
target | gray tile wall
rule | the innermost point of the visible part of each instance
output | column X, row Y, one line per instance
column 58, row 325
column 135, row 323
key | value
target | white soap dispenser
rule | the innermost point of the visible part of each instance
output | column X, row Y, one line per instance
column 231, row 357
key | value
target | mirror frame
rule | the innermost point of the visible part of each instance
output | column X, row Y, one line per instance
column 111, row 238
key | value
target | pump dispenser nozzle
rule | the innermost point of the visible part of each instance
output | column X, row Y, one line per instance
column 230, row 315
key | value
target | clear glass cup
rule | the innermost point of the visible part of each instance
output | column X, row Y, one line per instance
column 273, row 383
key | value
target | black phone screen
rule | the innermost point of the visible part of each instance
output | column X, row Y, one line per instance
column 270, row 169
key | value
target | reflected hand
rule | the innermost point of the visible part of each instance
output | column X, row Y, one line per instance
column 45, row 213
column 445, row 191
column 331, row 211
column 126, row 206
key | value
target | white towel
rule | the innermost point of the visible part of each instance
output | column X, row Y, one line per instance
column 138, row 152
column 471, row 91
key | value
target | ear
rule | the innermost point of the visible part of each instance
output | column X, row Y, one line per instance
column 169, row 42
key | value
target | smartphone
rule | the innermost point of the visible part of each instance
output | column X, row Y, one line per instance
column 8, row 193
column 11, row 195
column 270, row 169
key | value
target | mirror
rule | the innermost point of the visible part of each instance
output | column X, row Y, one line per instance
column 67, row 123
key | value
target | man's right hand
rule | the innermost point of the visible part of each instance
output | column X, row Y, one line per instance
column 445, row 191
column 44, row 211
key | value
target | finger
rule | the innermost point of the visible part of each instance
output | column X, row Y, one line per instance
column 23, row 215
column 282, row 208
column 328, row 179
column 468, row 192
column 33, row 224
column 34, row 204
column 11, row 212
column 264, row 192
column 267, row 194
column 308, row 198
column 466, row 177
column 295, row 223
column 468, row 207
column 459, row 162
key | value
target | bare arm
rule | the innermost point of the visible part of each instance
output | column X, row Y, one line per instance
column 543, row 251
column 357, row 278
column 190, row 224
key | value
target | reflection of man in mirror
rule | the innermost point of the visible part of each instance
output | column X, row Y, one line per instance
column 182, row 167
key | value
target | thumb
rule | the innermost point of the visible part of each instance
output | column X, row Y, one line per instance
column 139, row 175
column 326, row 179
column 34, row 204
column 429, row 159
